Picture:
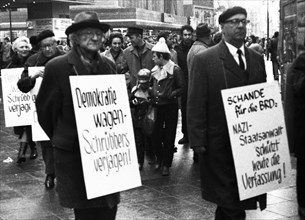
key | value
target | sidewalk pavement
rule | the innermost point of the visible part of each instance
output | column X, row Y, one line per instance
column 177, row 197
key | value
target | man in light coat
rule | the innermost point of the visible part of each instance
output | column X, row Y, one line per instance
column 138, row 55
column 220, row 67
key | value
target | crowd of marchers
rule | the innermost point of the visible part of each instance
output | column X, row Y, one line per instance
column 164, row 72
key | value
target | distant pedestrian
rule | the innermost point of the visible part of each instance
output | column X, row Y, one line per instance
column 298, row 77
column 182, row 51
column 272, row 49
column 6, row 51
column 226, row 65
column 168, row 85
column 202, row 43
column 56, row 115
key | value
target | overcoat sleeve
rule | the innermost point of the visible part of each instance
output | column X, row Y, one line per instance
column 197, row 103
column 48, row 101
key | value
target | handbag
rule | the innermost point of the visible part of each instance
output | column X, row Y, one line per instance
column 149, row 120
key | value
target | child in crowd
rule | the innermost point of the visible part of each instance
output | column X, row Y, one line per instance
column 140, row 99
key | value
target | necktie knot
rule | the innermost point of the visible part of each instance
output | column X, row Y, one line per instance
column 241, row 62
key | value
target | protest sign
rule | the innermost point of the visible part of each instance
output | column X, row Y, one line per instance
column 258, row 138
column 17, row 105
column 105, row 132
column 38, row 133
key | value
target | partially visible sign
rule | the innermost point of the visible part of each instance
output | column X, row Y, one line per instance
column 38, row 133
column 105, row 132
column 18, row 106
column 258, row 138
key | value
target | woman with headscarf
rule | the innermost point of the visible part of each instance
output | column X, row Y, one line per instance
column 21, row 47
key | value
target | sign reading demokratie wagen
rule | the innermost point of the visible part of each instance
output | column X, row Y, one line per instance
column 258, row 138
column 105, row 133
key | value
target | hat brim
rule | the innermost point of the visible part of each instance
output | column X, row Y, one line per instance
column 86, row 24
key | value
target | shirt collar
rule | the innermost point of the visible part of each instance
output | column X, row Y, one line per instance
column 233, row 49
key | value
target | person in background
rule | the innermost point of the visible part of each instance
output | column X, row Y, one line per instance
column 168, row 85
column 272, row 49
column 217, row 38
column 47, row 51
column 182, row 50
column 255, row 45
column 56, row 115
column 297, row 72
column 35, row 47
column 169, row 42
column 202, row 43
column 6, row 51
column 138, row 56
column 21, row 47
column 228, row 64
column 115, row 53
column 140, row 99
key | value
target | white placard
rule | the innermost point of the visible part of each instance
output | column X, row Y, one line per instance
column 38, row 133
column 258, row 138
column 18, row 106
column 105, row 132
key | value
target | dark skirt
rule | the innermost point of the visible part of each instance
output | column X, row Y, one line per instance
column 71, row 185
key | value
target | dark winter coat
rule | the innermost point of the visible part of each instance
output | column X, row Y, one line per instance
column 26, row 83
column 182, row 51
column 298, row 78
column 213, row 70
column 56, row 116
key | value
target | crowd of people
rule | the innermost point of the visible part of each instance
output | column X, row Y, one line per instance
column 163, row 73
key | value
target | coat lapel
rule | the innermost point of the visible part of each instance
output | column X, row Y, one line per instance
column 75, row 60
column 231, row 67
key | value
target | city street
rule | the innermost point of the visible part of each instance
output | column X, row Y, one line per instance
column 23, row 195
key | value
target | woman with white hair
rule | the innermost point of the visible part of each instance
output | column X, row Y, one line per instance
column 21, row 47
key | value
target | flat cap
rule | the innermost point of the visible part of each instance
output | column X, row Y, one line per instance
column 231, row 12
column 134, row 30
column 43, row 35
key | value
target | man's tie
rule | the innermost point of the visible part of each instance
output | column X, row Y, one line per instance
column 241, row 62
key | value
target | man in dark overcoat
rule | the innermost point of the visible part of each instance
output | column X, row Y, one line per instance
column 56, row 115
column 297, row 72
column 221, row 67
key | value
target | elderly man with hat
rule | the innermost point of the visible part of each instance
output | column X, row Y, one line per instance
column 168, row 85
column 226, row 65
column 56, row 115
column 47, row 51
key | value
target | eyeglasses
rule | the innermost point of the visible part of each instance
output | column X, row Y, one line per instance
column 236, row 22
column 90, row 34
column 45, row 46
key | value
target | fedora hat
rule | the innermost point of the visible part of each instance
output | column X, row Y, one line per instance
column 86, row 19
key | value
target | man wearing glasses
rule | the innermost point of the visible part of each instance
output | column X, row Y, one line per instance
column 226, row 65
column 48, row 50
column 56, row 115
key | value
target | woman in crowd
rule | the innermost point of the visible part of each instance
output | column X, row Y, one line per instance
column 115, row 53
column 168, row 84
column 21, row 47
